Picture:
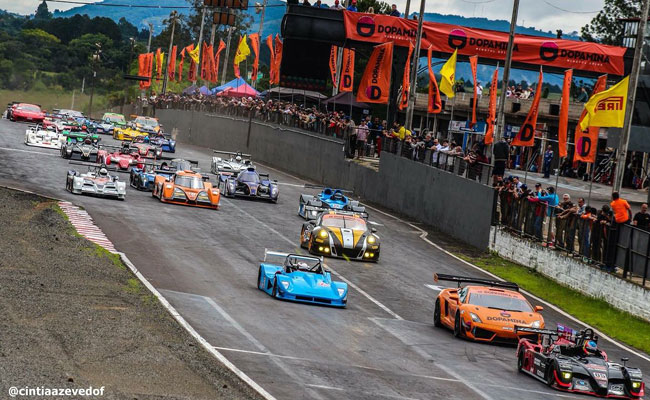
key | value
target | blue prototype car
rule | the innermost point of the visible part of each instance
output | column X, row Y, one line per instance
column 165, row 142
column 300, row 278
column 142, row 179
column 248, row 183
column 329, row 199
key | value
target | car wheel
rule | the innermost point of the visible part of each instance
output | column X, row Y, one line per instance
column 436, row 315
column 274, row 292
column 549, row 374
column 457, row 327
column 303, row 244
column 520, row 360
column 259, row 280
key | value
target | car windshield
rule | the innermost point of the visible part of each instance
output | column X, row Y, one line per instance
column 119, row 119
column 340, row 221
column 191, row 182
column 302, row 263
column 507, row 303
column 181, row 165
column 249, row 176
column 28, row 107
column 150, row 122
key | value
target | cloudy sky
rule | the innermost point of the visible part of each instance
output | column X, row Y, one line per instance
column 566, row 15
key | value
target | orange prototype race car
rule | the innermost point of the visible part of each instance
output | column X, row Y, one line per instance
column 187, row 188
column 487, row 312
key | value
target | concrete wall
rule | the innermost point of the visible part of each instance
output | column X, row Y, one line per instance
column 457, row 206
column 589, row 280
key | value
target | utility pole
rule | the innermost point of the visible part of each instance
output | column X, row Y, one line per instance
column 414, row 70
column 126, row 89
column 201, row 38
column 631, row 96
column 406, row 10
column 150, row 33
column 259, row 32
column 500, row 127
column 225, row 62
column 95, row 60
column 212, row 34
column 171, row 43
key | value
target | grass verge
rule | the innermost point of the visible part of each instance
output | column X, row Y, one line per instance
column 598, row 313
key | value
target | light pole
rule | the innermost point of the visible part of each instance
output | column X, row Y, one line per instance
column 150, row 33
column 203, row 11
column 225, row 62
column 631, row 95
column 171, row 43
column 95, row 60
column 128, row 66
column 498, row 131
column 414, row 70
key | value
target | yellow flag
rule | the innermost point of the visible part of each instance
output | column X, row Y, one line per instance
column 448, row 73
column 194, row 54
column 607, row 108
column 242, row 51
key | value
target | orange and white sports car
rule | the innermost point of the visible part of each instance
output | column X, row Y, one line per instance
column 486, row 312
column 186, row 188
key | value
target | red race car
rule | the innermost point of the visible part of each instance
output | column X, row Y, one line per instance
column 123, row 159
column 25, row 112
column 145, row 149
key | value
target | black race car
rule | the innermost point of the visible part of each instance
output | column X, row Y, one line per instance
column 248, row 183
column 85, row 150
column 572, row 362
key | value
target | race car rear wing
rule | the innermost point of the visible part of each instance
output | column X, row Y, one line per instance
column 310, row 186
column 268, row 252
column 463, row 279
column 536, row 330
column 93, row 165
column 232, row 153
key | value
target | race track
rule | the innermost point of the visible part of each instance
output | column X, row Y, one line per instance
column 205, row 262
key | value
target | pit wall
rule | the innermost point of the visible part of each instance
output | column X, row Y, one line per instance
column 573, row 273
column 452, row 204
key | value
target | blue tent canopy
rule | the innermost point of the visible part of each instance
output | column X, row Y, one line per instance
column 232, row 84
column 205, row 90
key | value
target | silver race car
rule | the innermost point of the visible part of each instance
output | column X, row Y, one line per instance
column 96, row 182
column 40, row 137
column 236, row 163
column 86, row 150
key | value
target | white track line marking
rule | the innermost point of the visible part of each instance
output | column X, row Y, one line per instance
column 30, row 151
column 293, row 243
column 423, row 236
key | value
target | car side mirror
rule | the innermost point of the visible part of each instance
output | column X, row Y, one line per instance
column 373, row 230
column 539, row 308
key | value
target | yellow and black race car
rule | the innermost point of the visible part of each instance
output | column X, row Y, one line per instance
column 341, row 234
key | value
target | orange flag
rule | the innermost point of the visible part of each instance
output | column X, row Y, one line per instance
column 158, row 63
column 526, row 135
column 171, row 66
column 205, row 62
column 347, row 71
column 473, row 62
column 180, row 66
column 142, row 68
column 269, row 44
column 191, row 75
column 278, row 57
column 564, row 112
column 406, row 79
column 255, row 46
column 587, row 141
column 492, row 108
column 375, row 83
column 434, row 104
column 215, row 66
column 334, row 50
column 212, row 77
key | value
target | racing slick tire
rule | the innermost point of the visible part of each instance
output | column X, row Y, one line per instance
column 520, row 360
column 303, row 244
column 548, row 377
column 457, row 328
column 436, row 315
column 259, row 279
column 274, row 292
column 64, row 153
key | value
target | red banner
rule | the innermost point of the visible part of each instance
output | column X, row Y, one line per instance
column 564, row 112
column 215, row 67
column 375, row 83
column 171, row 66
column 255, row 45
column 191, row 75
column 526, row 135
column 434, row 105
column 205, row 62
column 269, row 44
column 492, row 108
column 473, row 62
column 587, row 141
column 159, row 63
column 278, row 57
column 347, row 71
column 406, row 79
column 561, row 53
column 180, row 66
column 334, row 51
column 142, row 69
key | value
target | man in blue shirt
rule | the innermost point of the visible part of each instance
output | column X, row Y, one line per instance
column 551, row 201
column 353, row 6
column 394, row 12
column 548, row 157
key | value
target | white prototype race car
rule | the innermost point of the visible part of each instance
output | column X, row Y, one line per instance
column 236, row 163
column 39, row 137
column 96, row 182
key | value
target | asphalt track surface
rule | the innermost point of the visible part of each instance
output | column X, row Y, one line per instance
column 205, row 262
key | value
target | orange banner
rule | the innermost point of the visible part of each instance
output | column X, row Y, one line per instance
column 215, row 67
column 347, row 71
column 191, row 75
column 205, row 62
column 434, row 105
column 375, row 83
column 587, row 141
column 334, row 51
column 255, row 46
column 142, row 68
column 492, row 108
column 406, row 79
column 171, row 66
column 444, row 38
column 473, row 62
column 278, row 57
column 158, row 64
column 564, row 113
column 269, row 44
column 526, row 135
column 180, row 66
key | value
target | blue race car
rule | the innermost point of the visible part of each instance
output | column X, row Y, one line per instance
column 248, row 183
column 165, row 142
column 143, row 178
column 300, row 278
column 329, row 199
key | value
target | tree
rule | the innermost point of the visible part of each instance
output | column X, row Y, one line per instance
column 606, row 27
column 42, row 12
